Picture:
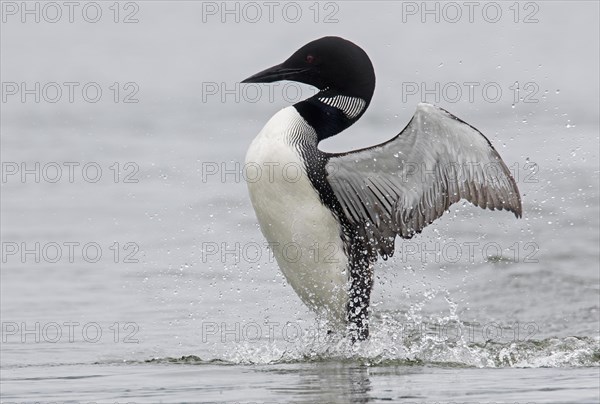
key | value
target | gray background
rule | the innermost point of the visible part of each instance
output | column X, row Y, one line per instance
column 173, row 55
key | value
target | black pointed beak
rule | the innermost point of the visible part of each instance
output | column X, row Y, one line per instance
column 276, row 73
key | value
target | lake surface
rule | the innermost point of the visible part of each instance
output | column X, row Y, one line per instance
column 133, row 269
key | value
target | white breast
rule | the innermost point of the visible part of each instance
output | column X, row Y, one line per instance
column 303, row 233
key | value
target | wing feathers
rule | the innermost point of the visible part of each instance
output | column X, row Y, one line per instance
column 401, row 186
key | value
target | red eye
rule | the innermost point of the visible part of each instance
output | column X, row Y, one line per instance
column 310, row 58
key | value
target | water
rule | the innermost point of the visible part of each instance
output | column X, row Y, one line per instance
column 184, row 302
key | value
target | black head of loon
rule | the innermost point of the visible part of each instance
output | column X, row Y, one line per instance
column 342, row 72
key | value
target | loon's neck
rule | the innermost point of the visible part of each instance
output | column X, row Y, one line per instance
column 330, row 112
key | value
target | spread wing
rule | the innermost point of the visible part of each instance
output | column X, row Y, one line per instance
column 401, row 186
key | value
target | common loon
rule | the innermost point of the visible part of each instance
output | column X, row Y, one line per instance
column 329, row 216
